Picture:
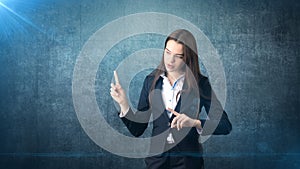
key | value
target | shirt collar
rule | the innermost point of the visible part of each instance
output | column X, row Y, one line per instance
column 180, row 79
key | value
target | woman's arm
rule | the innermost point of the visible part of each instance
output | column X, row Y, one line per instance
column 136, row 122
column 217, row 122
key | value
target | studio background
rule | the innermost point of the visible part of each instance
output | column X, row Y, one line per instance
column 258, row 44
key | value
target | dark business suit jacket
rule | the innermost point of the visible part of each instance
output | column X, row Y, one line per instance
column 187, row 146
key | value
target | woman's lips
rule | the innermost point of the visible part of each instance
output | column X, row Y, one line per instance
column 170, row 66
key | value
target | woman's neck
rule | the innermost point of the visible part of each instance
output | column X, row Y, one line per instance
column 173, row 76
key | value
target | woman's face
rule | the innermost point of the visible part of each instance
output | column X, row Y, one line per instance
column 173, row 57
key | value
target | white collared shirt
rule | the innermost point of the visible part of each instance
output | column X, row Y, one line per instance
column 171, row 93
column 170, row 98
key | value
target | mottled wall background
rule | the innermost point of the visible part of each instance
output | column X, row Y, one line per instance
column 258, row 42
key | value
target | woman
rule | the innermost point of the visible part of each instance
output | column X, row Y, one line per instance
column 174, row 94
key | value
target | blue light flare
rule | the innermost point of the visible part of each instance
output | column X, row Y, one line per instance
column 12, row 21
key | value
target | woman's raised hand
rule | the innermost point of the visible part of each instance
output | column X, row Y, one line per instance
column 118, row 94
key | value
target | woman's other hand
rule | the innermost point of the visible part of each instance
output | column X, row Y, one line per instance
column 182, row 120
column 118, row 93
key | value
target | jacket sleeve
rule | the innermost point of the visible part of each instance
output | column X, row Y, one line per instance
column 137, row 122
column 217, row 122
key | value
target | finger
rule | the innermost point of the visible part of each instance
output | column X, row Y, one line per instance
column 178, row 125
column 113, row 86
column 174, row 121
column 112, row 90
column 173, row 111
column 116, row 77
column 114, row 93
column 181, row 120
column 118, row 86
column 183, row 123
column 178, row 118
column 113, row 96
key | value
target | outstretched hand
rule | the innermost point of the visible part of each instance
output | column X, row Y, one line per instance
column 118, row 93
column 182, row 120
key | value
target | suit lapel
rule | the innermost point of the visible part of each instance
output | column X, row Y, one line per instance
column 159, row 98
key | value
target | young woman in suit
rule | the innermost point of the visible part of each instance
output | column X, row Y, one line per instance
column 174, row 95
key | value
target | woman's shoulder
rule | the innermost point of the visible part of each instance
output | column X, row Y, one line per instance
column 149, row 80
column 150, row 77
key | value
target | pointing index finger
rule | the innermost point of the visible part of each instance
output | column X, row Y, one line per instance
column 116, row 77
column 174, row 112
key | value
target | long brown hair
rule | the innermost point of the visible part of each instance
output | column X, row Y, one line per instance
column 190, row 57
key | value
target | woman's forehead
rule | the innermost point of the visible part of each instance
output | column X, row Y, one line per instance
column 174, row 47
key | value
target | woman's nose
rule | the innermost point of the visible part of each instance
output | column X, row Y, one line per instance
column 172, row 58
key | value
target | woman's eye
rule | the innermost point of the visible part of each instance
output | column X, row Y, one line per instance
column 179, row 56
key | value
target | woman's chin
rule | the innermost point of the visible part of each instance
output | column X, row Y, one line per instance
column 170, row 70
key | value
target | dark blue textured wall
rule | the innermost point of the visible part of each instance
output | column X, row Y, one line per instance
column 258, row 42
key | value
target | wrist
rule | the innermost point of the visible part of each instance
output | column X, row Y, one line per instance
column 124, row 107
